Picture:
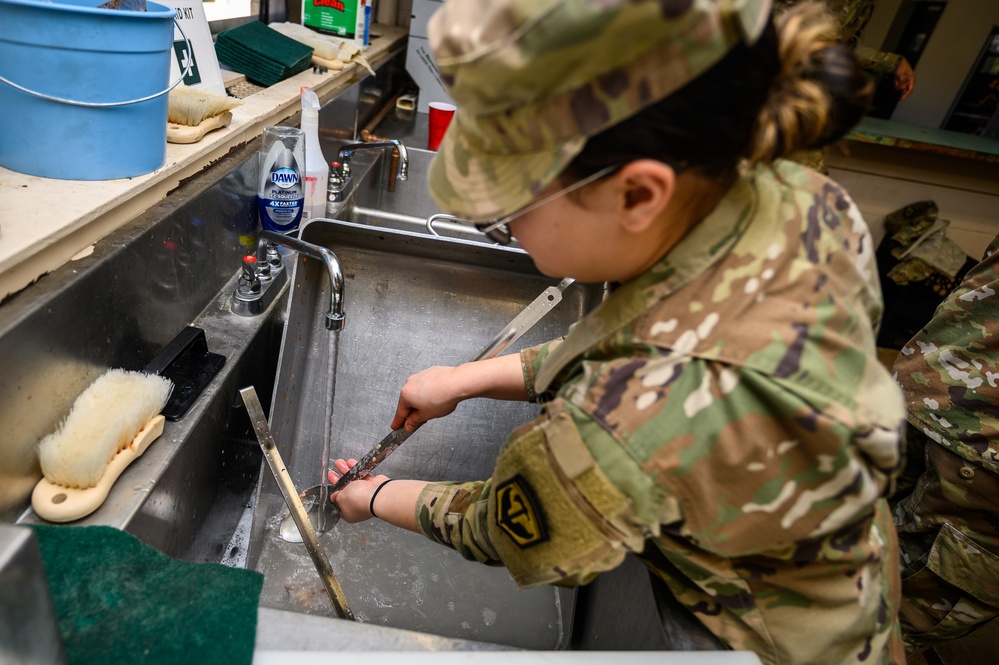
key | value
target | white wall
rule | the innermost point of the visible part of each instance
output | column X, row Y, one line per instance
column 881, row 19
column 949, row 55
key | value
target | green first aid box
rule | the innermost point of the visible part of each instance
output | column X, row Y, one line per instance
column 341, row 18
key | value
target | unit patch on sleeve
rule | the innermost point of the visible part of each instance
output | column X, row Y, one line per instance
column 518, row 513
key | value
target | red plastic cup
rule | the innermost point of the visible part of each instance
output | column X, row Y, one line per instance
column 440, row 117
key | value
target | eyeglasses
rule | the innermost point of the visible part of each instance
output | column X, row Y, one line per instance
column 499, row 230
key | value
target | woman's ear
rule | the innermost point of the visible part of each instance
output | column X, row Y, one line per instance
column 645, row 188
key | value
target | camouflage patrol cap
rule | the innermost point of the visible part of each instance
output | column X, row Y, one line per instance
column 533, row 79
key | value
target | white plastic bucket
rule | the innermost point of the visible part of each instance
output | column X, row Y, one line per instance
column 83, row 90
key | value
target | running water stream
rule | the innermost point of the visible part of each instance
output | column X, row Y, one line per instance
column 321, row 519
column 334, row 355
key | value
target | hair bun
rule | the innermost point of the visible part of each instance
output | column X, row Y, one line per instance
column 819, row 93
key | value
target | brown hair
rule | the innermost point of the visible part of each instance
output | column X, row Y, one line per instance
column 797, row 88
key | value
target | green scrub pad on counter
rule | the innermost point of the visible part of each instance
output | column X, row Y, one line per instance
column 118, row 600
column 263, row 54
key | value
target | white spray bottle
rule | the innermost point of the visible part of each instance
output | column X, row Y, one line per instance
column 317, row 169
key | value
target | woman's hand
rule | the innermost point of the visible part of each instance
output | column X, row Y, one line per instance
column 354, row 500
column 395, row 503
column 437, row 391
column 432, row 393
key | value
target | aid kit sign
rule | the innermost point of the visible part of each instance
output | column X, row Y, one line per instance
column 204, row 69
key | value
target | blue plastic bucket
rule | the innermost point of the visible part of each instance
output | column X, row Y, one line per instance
column 106, row 60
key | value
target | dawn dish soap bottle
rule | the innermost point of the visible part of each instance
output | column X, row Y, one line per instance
column 281, row 194
column 317, row 170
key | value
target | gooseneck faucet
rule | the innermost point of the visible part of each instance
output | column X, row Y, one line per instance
column 335, row 317
column 347, row 151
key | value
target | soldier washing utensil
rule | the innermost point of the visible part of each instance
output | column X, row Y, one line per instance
column 722, row 415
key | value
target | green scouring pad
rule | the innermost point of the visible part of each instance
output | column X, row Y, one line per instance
column 263, row 54
column 119, row 600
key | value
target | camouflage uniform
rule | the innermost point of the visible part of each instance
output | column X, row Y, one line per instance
column 949, row 523
column 722, row 416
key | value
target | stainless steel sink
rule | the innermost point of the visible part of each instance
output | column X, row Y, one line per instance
column 412, row 301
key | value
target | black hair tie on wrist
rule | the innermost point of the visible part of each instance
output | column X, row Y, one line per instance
column 371, row 504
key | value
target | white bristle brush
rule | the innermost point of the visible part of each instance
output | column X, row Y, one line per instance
column 111, row 424
column 193, row 112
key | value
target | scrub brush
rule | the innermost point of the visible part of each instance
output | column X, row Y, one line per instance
column 192, row 113
column 111, row 423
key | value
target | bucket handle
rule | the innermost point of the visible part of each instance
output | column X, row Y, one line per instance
column 73, row 102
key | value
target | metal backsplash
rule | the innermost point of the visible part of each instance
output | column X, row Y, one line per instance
column 139, row 288
column 115, row 308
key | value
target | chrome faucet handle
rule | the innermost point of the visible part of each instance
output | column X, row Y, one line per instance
column 260, row 280
column 273, row 258
column 249, row 281
column 261, row 267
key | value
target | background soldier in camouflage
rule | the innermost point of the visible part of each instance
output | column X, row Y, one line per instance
column 852, row 17
column 722, row 414
column 948, row 521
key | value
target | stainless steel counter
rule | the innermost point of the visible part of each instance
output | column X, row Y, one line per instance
column 28, row 630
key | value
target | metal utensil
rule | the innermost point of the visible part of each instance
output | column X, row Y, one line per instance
column 527, row 319
column 322, row 513
column 297, row 510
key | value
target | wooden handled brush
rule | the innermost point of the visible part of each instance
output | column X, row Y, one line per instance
column 111, row 424
column 192, row 113
column 332, row 64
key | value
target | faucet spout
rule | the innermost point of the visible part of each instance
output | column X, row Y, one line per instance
column 388, row 144
column 335, row 317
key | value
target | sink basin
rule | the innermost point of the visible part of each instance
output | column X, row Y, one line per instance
column 412, row 301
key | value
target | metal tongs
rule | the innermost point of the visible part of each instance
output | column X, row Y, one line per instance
column 295, row 507
column 527, row 319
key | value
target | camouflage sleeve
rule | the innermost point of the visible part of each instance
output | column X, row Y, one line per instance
column 531, row 360
column 550, row 513
column 452, row 514
column 876, row 61
column 852, row 17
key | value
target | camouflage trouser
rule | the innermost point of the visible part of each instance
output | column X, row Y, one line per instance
column 949, row 542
